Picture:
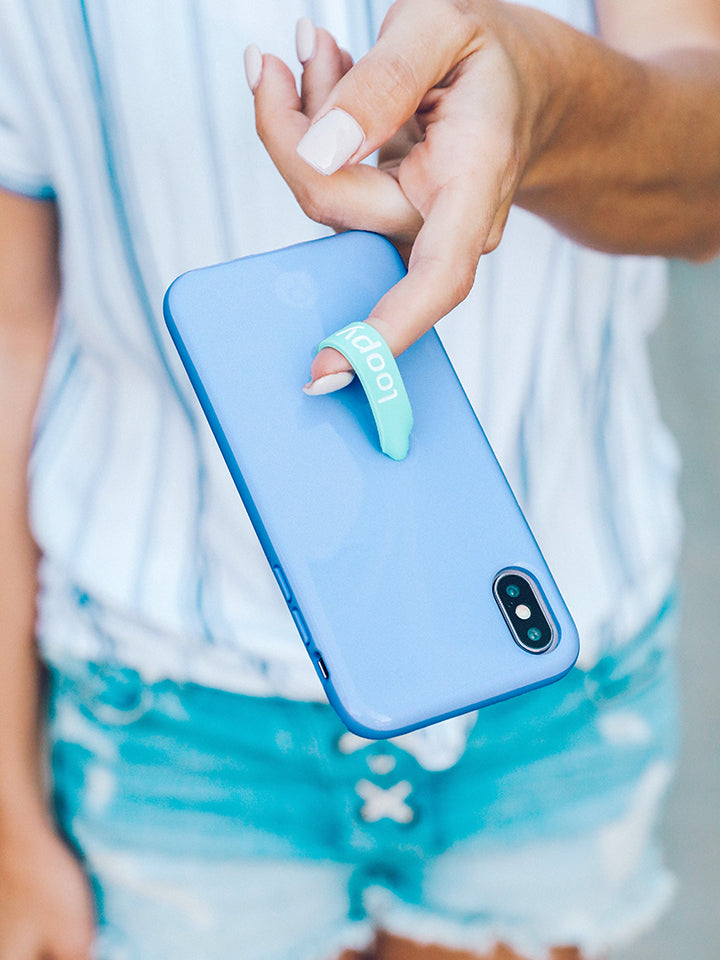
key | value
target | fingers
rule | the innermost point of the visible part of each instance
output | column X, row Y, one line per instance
column 465, row 214
column 71, row 951
column 363, row 198
column 461, row 178
column 452, row 167
column 440, row 275
column 419, row 44
column 29, row 942
column 324, row 63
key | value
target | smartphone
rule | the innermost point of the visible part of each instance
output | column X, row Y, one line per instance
column 416, row 585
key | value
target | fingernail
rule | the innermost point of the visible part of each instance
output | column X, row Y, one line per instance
column 253, row 66
column 331, row 141
column 329, row 383
column 305, row 39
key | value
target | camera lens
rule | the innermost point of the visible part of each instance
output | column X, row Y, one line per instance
column 518, row 596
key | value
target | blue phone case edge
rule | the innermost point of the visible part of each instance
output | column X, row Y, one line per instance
column 352, row 722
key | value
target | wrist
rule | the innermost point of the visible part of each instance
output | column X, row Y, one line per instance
column 587, row 92
column 543, row 50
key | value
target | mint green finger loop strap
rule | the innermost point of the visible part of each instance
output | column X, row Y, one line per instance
column 373, row 362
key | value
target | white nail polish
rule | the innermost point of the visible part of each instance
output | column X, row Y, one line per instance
column 305, row 39
column 331, row 141
column 253, row 65
column 329, row 383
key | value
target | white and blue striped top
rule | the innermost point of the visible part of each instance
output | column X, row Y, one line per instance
column 136, row 117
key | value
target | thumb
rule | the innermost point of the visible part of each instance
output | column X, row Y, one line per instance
column 419, row 44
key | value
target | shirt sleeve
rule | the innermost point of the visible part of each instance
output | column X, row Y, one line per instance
column 25, row 166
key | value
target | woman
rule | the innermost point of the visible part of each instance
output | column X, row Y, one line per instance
column 215, row 803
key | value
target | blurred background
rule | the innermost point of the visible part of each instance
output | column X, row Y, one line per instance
column 686, row 355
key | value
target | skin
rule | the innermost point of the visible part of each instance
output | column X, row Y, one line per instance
column 592, row 137
column 45, row 906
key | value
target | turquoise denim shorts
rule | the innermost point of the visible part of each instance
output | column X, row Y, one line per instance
column 213, row 824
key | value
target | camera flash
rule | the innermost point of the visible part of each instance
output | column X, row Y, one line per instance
column 523, row 611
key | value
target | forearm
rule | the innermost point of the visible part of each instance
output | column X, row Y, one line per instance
column 29, row 288
column 502, row 104
column 627, row 155
column 22, row 362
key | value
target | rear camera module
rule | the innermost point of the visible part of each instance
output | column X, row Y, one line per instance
column 519, row 600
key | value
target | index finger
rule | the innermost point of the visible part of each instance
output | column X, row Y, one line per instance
column 441, row 271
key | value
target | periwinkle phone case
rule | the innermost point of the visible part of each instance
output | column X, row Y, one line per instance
column 388, row 567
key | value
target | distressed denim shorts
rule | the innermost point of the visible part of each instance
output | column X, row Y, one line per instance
column 216, row 825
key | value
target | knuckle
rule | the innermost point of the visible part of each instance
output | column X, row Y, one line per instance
column 261, row 123
column 456, row 277
column 393, row 80
column 464, row 278
column 513, row 167
column 312, row 205
column 316, row 205
column 460, row 22
column 494, row 238
column 418, row 179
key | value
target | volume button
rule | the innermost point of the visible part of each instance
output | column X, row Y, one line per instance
column 301, row 626
column 282, row 583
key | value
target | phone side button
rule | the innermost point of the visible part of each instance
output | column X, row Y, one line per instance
column 323, row 669
column 282, row 583
column 301, row 626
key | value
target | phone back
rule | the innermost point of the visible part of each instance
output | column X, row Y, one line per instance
column 387, row 566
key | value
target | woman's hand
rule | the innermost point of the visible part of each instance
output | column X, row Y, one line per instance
column 357, row 197
column 499, row 103
column 442, row 78
column 46, row 910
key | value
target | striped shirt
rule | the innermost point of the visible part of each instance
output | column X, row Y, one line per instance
column 137, row 119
